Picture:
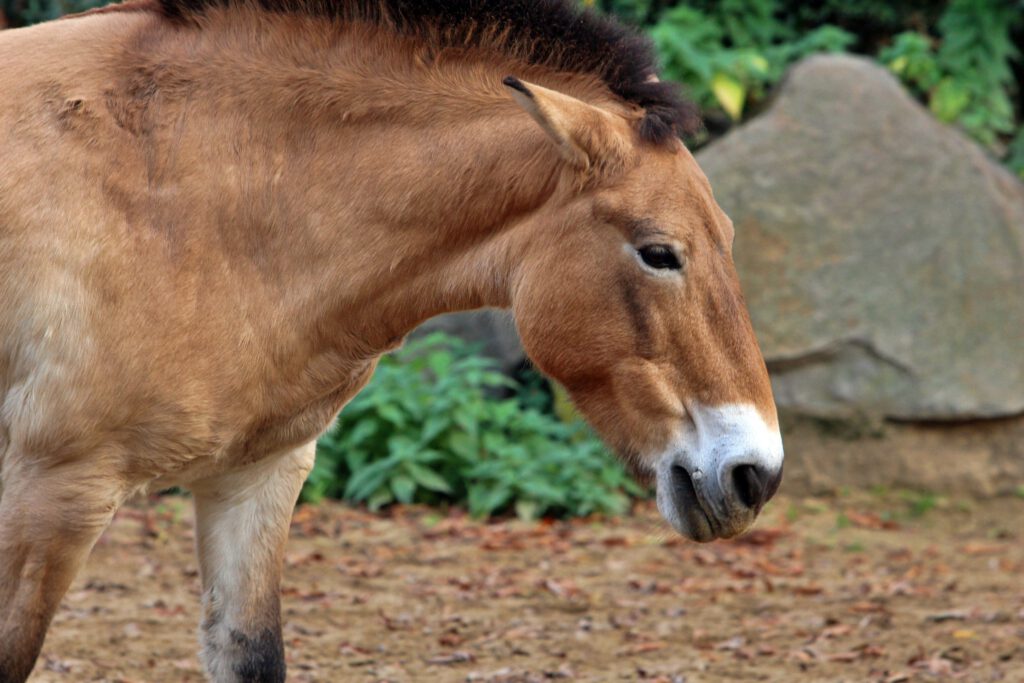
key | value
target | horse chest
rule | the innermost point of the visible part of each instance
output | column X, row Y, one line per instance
column 284, row 432
column 280, row 425
column 259, row 439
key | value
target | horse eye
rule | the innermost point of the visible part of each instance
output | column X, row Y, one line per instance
column 660, row 256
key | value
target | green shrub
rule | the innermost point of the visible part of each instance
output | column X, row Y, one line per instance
column 956, row 55
column 24, row 12
column 965, row 77
column 912, row 57
column 430, row 429
column 730, row 52
column 975, row 53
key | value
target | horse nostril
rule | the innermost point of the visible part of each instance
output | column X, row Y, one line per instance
column 749, row 481
column 755, row 485
column 682, row 483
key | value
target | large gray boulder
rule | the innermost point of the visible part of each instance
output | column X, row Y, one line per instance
column 881, row 252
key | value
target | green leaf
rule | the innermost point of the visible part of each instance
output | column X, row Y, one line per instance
column 731, row 94
column 465, row 419
column 464, row 445
column 401, row 447
column 365, row 481
column 392, row 413
column 484, row 502
column 433, row 426
column 355, row 458
column 361, row 431
column 379, row 499
column 403, row 487
column 949, row 99
column 427, row 478
column 543, row 490
column 527, row 509
column 440, row 363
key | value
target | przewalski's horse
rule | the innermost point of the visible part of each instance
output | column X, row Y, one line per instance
column 215, row 216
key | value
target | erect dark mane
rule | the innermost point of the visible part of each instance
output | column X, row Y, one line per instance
column 552, row 33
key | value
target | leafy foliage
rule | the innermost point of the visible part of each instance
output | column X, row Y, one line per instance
column 728, row 52
column 24, row 12
column 975, row 53
column 912, row 57
column 966, row 77
column 429, row 429
column 957, row 55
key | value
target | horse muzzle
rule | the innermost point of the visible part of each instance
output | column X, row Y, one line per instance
column 716, row 479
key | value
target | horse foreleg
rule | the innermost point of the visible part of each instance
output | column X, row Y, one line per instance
column 49, row 520
column 242, row 521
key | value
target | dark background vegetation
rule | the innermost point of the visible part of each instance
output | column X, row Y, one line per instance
column 440, row 425
column 960, row 57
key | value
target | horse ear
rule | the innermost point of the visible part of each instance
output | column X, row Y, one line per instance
column 588, row 137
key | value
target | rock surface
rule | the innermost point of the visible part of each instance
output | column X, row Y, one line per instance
column 981, row 458
column 881, row 252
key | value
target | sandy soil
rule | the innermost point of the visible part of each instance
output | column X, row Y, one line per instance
column 854, row 588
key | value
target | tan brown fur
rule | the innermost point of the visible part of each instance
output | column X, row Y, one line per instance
column 209, row 234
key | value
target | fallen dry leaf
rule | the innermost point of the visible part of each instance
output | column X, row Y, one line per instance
column 452, row 658
column 641, row 648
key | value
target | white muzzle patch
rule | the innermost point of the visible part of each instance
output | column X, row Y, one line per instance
column 718, row 473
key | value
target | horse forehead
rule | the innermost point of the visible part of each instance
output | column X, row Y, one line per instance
column 685, row 203
column 668, row 187
column 692, row 218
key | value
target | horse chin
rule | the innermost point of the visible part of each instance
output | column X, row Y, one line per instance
column 696, row 527
column 694, row 523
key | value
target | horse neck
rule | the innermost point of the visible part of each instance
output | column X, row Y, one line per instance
column 375, row 202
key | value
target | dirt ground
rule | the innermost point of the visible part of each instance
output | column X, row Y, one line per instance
column 865, row 587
